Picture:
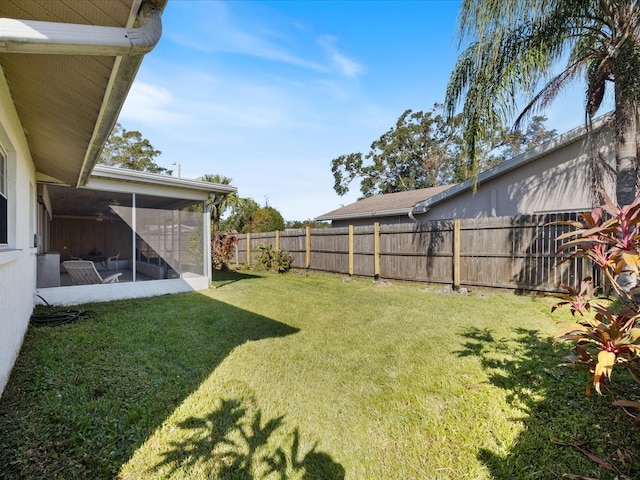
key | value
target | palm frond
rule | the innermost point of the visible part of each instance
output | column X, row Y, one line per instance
column 597, row 74
column 517, row 43
column 548, row 93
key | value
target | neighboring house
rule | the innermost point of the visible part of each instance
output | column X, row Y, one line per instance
column 387, row 208
column 555, row 177
column 65, row 70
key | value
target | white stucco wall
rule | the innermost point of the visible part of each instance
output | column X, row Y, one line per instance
column 17, row 260
column 79, row 294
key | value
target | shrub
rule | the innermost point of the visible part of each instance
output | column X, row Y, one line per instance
column 272, row 259
column 222, row 249
column 606, row 334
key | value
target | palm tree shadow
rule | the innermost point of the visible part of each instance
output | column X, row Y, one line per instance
column 234, row 442
column 314, row 465
column 124, row 374
column 431, row 236
column 554, row 411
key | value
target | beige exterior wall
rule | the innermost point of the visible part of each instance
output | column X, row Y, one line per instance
column 556, row 182
column 18, row 258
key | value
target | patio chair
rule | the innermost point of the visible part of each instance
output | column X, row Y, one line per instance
column 113, row 259
column 83, row 272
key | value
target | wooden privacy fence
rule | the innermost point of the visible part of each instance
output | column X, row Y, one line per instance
column 504, row 252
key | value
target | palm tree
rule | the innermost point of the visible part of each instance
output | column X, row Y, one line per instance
column 219, row 203
column 515, row 45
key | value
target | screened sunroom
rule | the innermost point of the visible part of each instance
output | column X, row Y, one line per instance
column 151, row 232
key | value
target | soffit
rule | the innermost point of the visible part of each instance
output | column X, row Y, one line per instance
column 59, row 98
column 110, row 185
column 84, row 202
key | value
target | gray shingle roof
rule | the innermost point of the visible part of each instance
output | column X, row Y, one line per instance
column 383, row 205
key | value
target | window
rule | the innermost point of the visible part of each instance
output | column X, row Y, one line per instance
column 3, row 199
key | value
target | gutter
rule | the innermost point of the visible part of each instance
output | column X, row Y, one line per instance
column 124, row 175
column 350, row 216
column 31, row 36
column 128, row 45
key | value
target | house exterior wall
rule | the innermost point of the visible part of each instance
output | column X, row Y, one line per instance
column 18, row 257
column 557, row 182
column 77, row 237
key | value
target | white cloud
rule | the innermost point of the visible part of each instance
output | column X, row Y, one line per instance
column 150, row 103
column 345, row 65
column 219, row 31
column 274, row 129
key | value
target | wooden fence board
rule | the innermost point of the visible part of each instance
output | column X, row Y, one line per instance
column 505, row 252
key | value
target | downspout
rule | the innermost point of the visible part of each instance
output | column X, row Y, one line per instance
column 422, row 211
column 134, row 228
column 207, row 240
column 129, row 45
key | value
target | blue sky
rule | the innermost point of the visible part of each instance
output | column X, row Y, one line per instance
column 269, row 92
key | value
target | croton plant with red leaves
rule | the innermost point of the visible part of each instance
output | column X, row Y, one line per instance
column 609, row 236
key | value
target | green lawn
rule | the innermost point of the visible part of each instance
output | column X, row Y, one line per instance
column 308, row 377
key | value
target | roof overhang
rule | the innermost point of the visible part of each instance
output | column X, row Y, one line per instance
column 111, row 179
column 109, row 185
column 69, row 70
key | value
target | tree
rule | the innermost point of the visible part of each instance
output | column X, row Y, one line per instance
column 514, row 143
column 128, row 149
column 306, row 223
column 219, row 203
column 241, row 216
column 266, row 219
column 425, row 150
column 250, row 217
column 419, row 152
column 516, row 45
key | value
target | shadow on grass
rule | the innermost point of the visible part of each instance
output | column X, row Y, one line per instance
column 220, row 278
column 83, row 397
column 554, row 410
column 234, row 442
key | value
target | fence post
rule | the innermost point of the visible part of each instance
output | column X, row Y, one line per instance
column 277, row 240
column 456, row 254
column 350, row 250
column 376, row 250
column 248, row 249
column 308, row 242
